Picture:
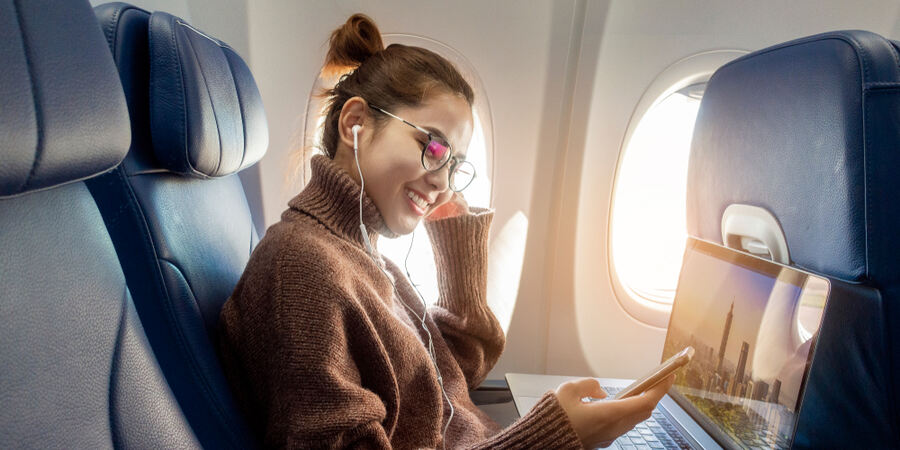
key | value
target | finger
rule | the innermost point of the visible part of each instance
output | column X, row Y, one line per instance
column 589, row 387
column 637, row 408
column 640, row 408
column 580, row 388
column 447, row 209
column 599, row 392
column 656, row 393
column 460, row 202
column 620, row 416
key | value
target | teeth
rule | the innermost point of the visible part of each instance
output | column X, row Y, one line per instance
column 417, row 200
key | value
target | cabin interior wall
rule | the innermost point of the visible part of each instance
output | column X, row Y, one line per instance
column 563, row 78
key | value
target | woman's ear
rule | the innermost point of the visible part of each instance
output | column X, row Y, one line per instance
column 354, row 112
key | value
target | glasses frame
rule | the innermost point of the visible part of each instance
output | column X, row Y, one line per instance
column 431, row 137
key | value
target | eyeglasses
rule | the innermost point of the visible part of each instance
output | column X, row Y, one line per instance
column 436, row 153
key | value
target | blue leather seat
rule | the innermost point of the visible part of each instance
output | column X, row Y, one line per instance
column 809, row 130
column 175, row 208
column 76, row 370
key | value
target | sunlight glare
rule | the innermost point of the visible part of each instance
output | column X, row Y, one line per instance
column 648, row 221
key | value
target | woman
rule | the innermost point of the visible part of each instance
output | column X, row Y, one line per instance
column 327, row 344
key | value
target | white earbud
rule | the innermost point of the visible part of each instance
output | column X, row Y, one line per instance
column 355, row 131
column 362, row 227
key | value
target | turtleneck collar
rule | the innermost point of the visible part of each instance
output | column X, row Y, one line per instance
column 332, row 198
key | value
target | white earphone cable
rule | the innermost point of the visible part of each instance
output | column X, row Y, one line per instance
column 412, row 237
column 424, row 316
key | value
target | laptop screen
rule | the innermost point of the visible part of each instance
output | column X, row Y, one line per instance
column 753, row 325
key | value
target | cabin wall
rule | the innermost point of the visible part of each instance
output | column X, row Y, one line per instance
column 563, row 79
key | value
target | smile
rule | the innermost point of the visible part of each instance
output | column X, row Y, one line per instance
column 418, row 200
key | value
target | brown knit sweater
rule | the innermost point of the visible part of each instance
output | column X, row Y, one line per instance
column 321, row 353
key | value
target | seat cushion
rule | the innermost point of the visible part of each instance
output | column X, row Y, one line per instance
column 77, row 369
column 792, row 129
column 63, row 116
column 206, row 113
column 183, row 239
column 808, row 130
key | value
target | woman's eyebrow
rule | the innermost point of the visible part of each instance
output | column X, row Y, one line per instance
column 437, row 133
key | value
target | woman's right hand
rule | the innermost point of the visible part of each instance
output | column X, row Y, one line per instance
column 600, row 423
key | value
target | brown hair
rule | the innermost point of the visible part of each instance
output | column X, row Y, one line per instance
column 391, row 77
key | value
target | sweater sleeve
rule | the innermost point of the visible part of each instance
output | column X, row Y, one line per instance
column 546, row 426
column 317, row 395
column 467, row 324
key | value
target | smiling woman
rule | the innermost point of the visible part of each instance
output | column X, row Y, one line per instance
column 415, row 251
column 324, row 339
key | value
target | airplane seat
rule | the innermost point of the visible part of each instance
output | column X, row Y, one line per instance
column 176, row 208
column 77, row 370
column 808, row 132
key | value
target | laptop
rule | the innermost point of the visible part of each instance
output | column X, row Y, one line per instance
column 753, row 324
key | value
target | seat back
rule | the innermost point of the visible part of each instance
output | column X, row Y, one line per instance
column 175, row 208
column 808, row 131
column 76, row 370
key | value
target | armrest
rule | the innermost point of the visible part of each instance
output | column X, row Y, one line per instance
column 491, row 392
column 494, row 399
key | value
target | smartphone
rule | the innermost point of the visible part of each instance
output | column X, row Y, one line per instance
column 658, row 374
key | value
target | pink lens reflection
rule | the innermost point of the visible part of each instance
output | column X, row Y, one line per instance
column 436, row 150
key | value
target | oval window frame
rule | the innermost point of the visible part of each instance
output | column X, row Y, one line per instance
column 691, row 70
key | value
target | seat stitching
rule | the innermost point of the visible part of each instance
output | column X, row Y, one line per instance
column 240, row 106
column 893, row 51
column 38, row 112
column 144, row 232
column 182, row 93
column 888, row 342
column 163, row 291
column 211, row 102
column 114, row 367
column 194, row 364
column 866, row 170
column 110, row 29
column 846, row 39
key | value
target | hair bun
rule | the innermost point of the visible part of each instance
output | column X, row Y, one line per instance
column 351, row 44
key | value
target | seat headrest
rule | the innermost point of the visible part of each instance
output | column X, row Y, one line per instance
column 804, row 130
column 206, row 114
column 63, row 116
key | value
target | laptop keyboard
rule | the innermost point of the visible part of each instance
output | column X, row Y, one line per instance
column 657, row 432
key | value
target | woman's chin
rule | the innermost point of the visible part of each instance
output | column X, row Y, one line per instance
column 404, row 226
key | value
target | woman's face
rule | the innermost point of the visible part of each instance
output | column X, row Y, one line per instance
column 391, row 160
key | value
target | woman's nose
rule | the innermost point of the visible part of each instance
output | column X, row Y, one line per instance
column 439, row 179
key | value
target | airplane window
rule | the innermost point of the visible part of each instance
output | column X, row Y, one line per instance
column 648, row 231
column 480, row 153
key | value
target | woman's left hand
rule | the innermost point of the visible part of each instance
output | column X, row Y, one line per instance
column 456, row 206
